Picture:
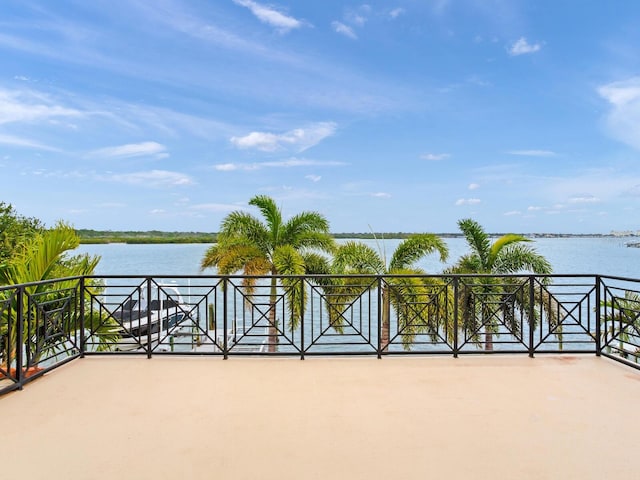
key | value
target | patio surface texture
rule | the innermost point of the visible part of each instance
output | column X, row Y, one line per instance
column 493, row 417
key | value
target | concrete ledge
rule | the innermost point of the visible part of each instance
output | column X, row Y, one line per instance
column 325, row 418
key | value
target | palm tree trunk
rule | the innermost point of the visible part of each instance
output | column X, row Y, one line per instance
column 487, row 319
column 273, row 330
column 386, row 313
column 488, row 341
column 488, row 334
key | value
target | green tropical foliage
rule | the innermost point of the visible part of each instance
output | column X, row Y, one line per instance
column 44, row 258
column 410, row 294
column 15, row 230
column 486, row 301
column 272, row 246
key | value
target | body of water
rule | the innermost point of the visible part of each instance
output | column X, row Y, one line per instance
column 605, row 256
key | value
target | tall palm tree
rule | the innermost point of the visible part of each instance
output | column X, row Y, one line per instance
column 271, row 246
column 508, row 254
column 401, row 291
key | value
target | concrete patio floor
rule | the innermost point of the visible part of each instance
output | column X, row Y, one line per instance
column 513, row 417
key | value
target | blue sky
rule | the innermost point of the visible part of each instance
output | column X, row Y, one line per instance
column 399, row 115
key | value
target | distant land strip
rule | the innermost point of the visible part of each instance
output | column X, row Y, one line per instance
column 157, row 236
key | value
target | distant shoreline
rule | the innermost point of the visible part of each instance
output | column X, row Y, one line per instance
column 159, row 237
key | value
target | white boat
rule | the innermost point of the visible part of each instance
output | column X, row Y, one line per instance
column 143, row 321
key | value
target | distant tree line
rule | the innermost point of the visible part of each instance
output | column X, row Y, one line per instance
column 152, row 236
column 156, row 236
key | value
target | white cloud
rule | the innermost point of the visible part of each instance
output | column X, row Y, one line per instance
column 299, row 139
column 381, row 195
column 467, row 201
column 343, row 29
column 288, row 163
column 435, row 156
column 31, row 106
column 313, row 178
column 216, row 207
column 14, row 141
column 512, row 213
column 533, row 208
column 358, row 16
column 623, row 120
column 584, row 199
column 157, row 211
column 133, row 150
column 533, row 153
column 396, row 12
column 153, row 178
column 267, row 142
column 521, row 47
column 300, row 162
column 269, row 15
column 473, row 186
column 226, row 167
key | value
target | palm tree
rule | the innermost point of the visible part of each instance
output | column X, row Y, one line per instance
column 404, row 291
column 507, row 255
column 271, row 247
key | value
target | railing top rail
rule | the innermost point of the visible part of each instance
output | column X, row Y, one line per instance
column 614, row 277
column 359, row 275
column 43, row 282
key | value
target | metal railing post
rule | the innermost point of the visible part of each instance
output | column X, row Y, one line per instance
column 225, row 288
column 531, row 315
column 82, row 322
column 456, row 347
column 302, row 318
column 20, row 337
column 149, row 317
column 598, row 317
column 380, row 307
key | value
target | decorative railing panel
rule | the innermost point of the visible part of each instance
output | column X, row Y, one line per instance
column 620, row 318
column 45, row 324
column 40, row 329
column 340, row 315
column 564, row 313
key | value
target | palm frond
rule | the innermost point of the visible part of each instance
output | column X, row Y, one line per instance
column 340, row 293
column 234, row 258
column 516, row 258
column 476, row 238
column 416, row 304
column 39, row 256
column 241, row 227
column 289, row 262
column 416, row 247
column 302, row 223
column 271, row 214
column 316, row 264
column 502, row 242
column 356, row 257
column 470, row 263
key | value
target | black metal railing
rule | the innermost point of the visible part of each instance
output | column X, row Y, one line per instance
column 46, row 324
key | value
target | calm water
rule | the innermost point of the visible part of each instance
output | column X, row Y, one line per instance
column 606, row 256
